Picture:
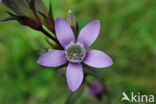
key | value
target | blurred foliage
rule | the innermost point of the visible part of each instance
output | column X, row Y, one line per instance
column 127, row 34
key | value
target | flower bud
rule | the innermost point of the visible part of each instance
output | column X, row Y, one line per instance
column 71, row 19
column 97, row 90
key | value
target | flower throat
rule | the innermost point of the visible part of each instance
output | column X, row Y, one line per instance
column 75, row 52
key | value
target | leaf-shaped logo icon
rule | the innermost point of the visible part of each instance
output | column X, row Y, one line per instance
column 125, row 97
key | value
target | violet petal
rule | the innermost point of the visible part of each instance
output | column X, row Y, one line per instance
column 74, row 75
column 89, row 33
column 53, row 58
column 64, row 32
column 97, row 59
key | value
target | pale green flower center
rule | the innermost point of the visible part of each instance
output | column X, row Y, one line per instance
column 75, row 52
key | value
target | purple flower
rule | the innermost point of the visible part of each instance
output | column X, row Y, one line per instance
column 75, row 52
column 95, row 88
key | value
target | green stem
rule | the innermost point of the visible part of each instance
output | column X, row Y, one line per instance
column 50, row 36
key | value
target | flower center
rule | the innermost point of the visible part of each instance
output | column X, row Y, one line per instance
column 75, row 52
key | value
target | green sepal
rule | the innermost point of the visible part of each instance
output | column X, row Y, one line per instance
column 27, row 21
column 48, row 20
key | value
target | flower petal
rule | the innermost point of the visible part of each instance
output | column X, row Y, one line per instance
column 97, row 59
column 53, row 58
column 64, row 32
column 89, row 33
column 74, row 75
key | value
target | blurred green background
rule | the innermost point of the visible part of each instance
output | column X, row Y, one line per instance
column 127, row 34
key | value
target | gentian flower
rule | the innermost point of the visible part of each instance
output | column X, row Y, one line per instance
column 75, row 52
